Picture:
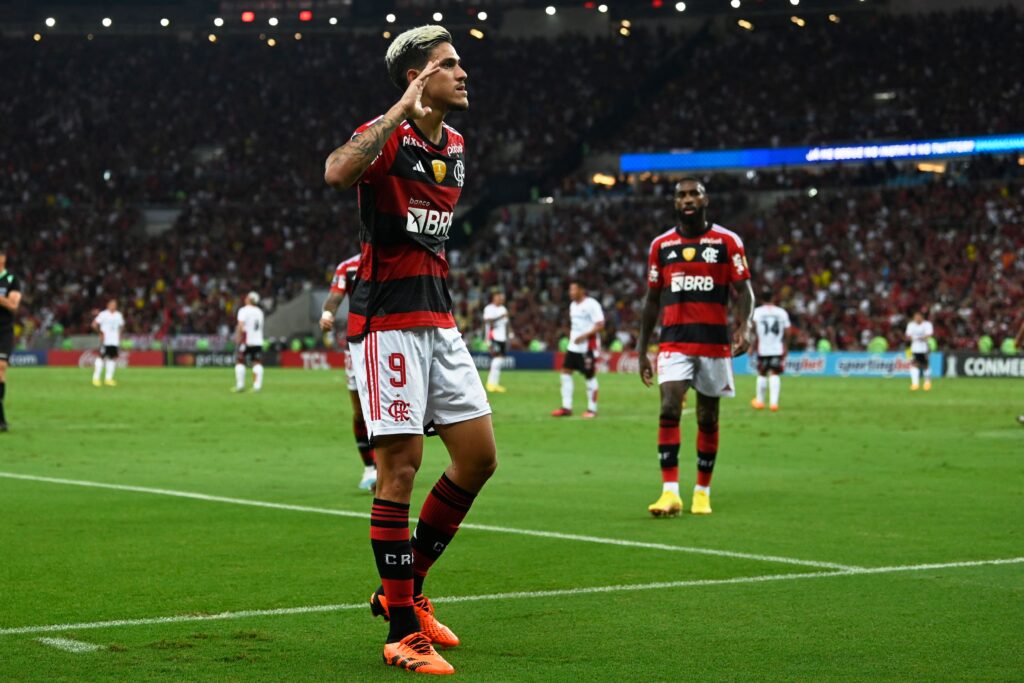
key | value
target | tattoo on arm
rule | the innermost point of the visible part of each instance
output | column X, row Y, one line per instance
column 332, row 302
column 361, row 150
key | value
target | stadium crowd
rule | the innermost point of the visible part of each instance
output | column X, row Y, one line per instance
column 233, row 135
column 868, row 77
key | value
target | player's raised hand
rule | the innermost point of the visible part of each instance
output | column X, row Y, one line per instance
column 646, row 371
column 412, row 99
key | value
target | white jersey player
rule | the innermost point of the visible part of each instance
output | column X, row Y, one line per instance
column 109, row 323
column 496, row 330
column 918, row 332
column 772, row 328
column 249, row 337
column 586, row 322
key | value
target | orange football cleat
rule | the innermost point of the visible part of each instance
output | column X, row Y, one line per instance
column 438, row 633
column 757, row 405
column 561, row 412
column 415, row 653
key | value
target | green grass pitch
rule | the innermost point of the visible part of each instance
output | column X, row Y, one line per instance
column 852, row 475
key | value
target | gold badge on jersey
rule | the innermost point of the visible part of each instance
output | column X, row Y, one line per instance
column 440, row 169
column 689, row 253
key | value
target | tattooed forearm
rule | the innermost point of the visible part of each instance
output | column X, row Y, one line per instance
column 332, row 302
column 347, row 163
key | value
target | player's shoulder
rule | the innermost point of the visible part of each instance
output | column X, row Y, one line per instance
column 726, row 234
column 362, row 128
column 349, row 263
column 664, row 237
column 453, row 135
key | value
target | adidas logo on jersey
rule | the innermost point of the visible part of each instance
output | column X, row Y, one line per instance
column 419, row 167
column 672, row 254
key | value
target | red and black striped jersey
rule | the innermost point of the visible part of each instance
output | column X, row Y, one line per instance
column 407, row 200
column 345, row 276
column 693, row 275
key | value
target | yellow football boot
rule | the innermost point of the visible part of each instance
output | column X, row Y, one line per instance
column 701, row 504
column 669, row 505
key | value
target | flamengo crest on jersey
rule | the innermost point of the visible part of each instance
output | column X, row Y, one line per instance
column 693, row 276
column 407, row 201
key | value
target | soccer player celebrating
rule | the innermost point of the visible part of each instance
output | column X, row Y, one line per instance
column 692, row 269
column 918, row 332
column 496, row 328
column 109, row 324
column 413, row 370
column 249, row 337
column 771, row 325
column 341, row 285
column 10, row 298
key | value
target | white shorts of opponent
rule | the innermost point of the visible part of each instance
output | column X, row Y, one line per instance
column 350, row 373
column 411, row 379
column 709, row 376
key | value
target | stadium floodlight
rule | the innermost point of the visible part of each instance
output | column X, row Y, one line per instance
column 390, row 18
column 834, row 18
column 298, row 36
column 626, row 23
column 735, row 4
column 798, row 21
column 248, row 17
column 476, row 33
column 165, row 22
column 333, row 21
column 218, row 22
column 744, row 24
column 813, row 192
column 680, row 6
column 550, row 10
column 51, row 22
column 271, row 42
column 37, row 37
column 624, row 31
column 387, row 35
column 794, row 3
column 212, row 38
column 272, row 21
column 482, row 16
column 602, row 8
column 107, row 21
column 438, row 16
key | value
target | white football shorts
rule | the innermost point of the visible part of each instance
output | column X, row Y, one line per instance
column 709, row 376
column 411, row 379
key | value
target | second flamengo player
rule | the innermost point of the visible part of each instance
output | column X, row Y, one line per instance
column 341, row 286
column 413, row 369
column 692, row 269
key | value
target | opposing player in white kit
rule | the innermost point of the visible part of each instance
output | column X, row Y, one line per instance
column 496, row 329
column 249, row 337
column 109, row 323
column 918, row 332
column 586, row 320
column 772, row 328
column 341, row 286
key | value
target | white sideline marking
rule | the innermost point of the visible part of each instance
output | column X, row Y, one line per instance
column 521, row 595
column 69, row 645
column 477, row 527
